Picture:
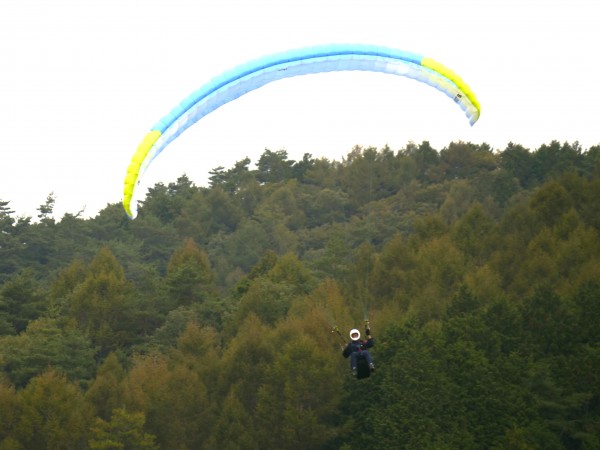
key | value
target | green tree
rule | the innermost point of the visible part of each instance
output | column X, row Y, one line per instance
column 472, row 234
column 21, row 301
column 6, row 219
column 233, row 179
column 266, row 263
column 459, row 199
column 439, row 271
column 124, row 431
column 106, row 391
column 10, row 244
column 328, row 206
column 549, row 323
column 173, row 398
column 101, row 303
column 267, row 299
column 553, row 159
column 46, row 210
column 333, row 256
column 359, row 176
column 217, row 176
column 519, row 163
column 46, row 344
column 300, row 168
column 550, row 203
column 189, row 276
column 234, row 429
column 199, row 347
column 166, row 202
column 225, row 211
column 357, row 285
column 196, row 220
column 246, row 361
column 503, row 186
column 427, row 161
column 53, row 414
column 63, row 286
column 413, row 403
column 297, row 403
column 290, row 270
column 464, row 160
column 429, row 226
column 270, row 296
column 322, row 173
column 281, row 206
column 246, row 245
column 210, row 313
column 72, row 239
column 274, row 166
column 9, row 414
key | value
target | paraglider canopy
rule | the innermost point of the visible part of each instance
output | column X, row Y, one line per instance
column 255, row 74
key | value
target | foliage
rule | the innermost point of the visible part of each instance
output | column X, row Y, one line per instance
column 124, row 431
column 207, row 322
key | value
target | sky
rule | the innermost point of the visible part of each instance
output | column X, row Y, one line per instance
column 82, row 81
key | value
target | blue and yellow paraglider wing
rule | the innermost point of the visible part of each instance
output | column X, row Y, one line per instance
column 255, row 74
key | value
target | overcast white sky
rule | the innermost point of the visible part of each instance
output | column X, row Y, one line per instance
column 82, row 81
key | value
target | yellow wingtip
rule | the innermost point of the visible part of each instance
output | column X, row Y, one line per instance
column 133, row 171
column 458, row 81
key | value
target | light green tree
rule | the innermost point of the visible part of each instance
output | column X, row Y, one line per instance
column 173, row 397
column 189, row 275
column 101, row 302
column 105, row 393
column 124, row 431
column 9, row 413
column 53, row 414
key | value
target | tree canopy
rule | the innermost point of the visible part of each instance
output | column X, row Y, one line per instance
column 207, row 321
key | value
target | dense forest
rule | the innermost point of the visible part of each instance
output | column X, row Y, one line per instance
column 207, row 321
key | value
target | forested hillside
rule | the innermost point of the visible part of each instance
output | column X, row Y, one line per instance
column 207, row 321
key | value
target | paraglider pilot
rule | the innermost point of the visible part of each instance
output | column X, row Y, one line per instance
column 357, row 348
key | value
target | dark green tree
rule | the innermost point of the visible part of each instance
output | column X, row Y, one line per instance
column 234, row 429
column 231, row 180
column 550, row 160
column 274, row 166
column 45, row 344
column 21, row 301
column 46, row 210
column 519, row 163
column 427, row 161
column 300, row 168
column 166, row 202
column 10, row 246
column 463, row 160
